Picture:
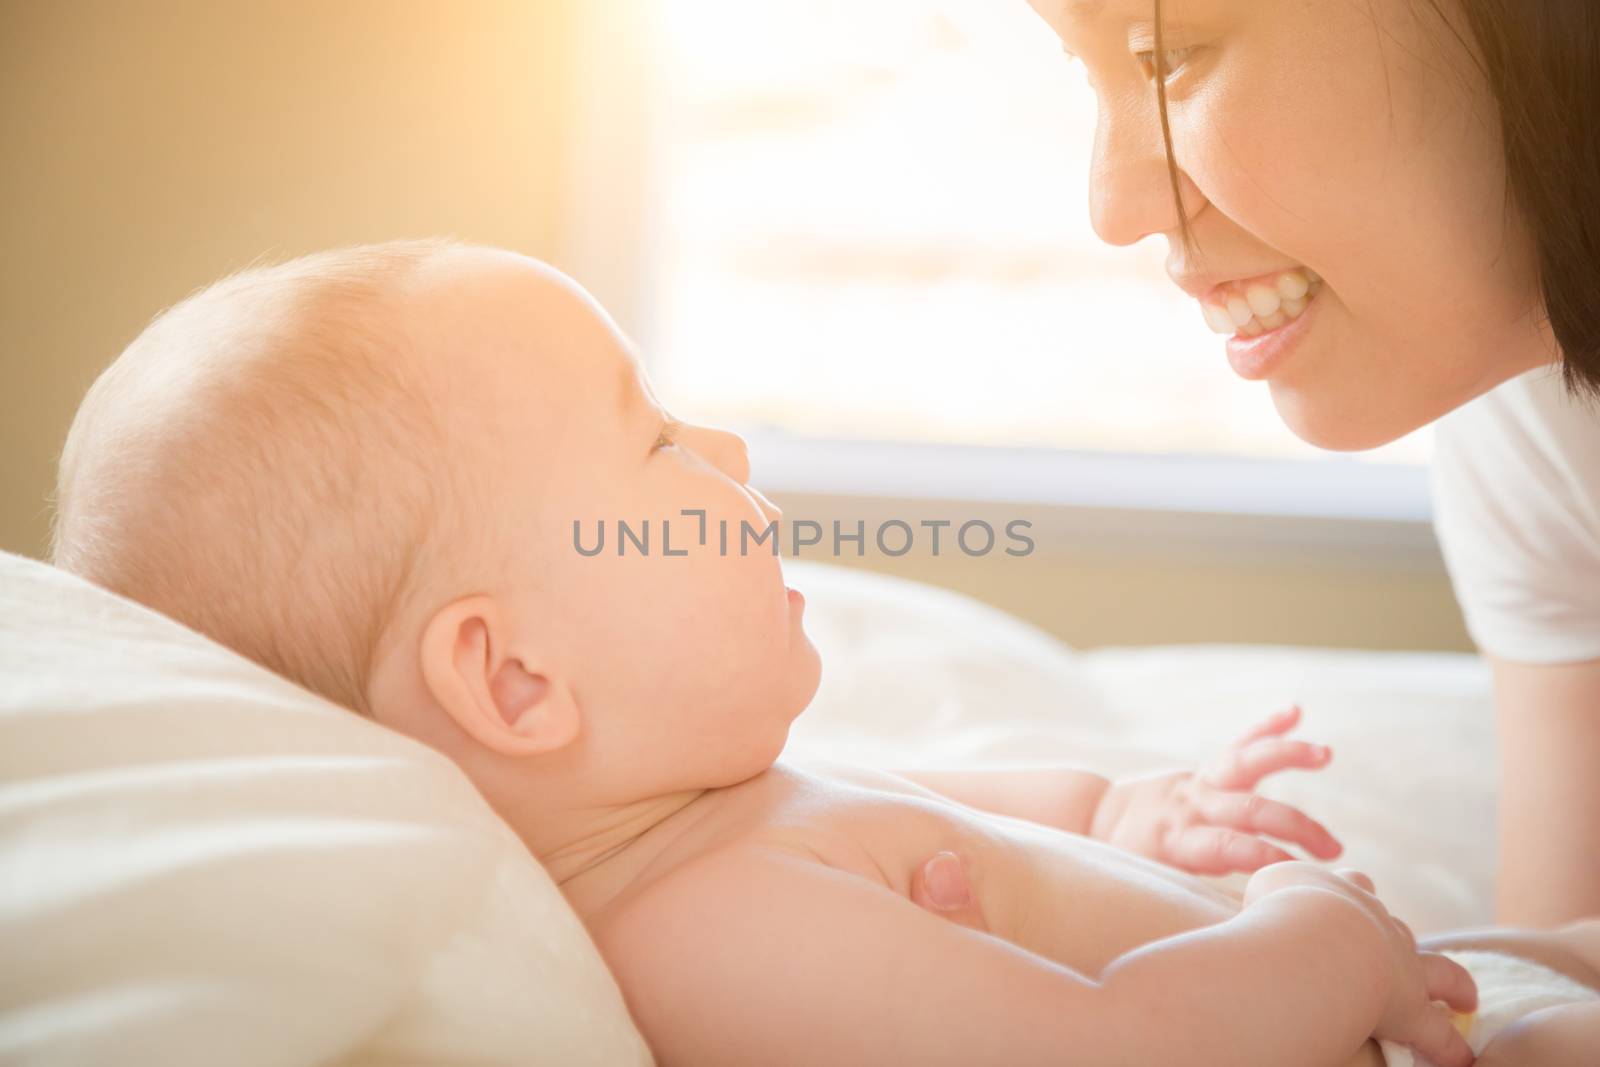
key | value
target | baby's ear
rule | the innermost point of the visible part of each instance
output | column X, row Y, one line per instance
column 492, row 691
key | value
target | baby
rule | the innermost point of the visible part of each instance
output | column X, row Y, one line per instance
column 366, row 469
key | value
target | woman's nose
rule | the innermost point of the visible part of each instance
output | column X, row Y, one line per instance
column 1130, row 186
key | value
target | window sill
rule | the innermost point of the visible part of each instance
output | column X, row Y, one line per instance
column 1337, row 511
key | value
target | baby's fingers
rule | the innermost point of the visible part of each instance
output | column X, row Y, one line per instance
column 1279, row 722
column 1448, row 981
column 1254, row 813
column 1244, row 766
column 1216, row 850
column 1438, row 1039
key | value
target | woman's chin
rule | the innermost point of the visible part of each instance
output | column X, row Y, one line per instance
column 1346, row 426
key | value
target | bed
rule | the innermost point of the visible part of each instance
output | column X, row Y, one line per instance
column 202, row 863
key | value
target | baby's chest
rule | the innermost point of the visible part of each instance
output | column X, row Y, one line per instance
column 880, row 833
column 863, row 841
column 1084, row 899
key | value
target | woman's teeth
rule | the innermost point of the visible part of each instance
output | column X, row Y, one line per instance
column 1262, row 304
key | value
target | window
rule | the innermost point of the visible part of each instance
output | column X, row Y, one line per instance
column 868, row 220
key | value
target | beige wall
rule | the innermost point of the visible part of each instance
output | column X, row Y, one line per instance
column 1124, row 577
column 152, row 146
column 1094, row 599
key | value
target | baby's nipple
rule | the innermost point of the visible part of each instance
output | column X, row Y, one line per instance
column 941, row 887
column 948, row 889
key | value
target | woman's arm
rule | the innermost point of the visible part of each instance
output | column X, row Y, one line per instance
column 1549, row 723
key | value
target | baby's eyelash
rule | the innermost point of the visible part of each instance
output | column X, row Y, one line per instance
column 668, row 434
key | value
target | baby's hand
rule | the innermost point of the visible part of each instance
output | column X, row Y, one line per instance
column 1417, row 981
column 1209, row 822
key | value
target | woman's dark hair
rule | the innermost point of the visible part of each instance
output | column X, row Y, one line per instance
column 1541, row 59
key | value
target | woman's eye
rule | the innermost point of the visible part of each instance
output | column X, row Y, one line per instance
column 1174, row 60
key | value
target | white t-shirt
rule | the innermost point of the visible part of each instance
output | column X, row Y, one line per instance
column 1516, row 502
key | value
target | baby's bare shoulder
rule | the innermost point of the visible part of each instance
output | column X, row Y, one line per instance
column 707, row 900
column 842, row 820
column 854, row 774
column 823, row 815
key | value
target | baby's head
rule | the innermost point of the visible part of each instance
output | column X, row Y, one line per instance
column 363, row 469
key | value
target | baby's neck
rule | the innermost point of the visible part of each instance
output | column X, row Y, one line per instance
column 591, row 853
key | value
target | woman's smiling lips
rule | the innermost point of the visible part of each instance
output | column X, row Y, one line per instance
column 1258, row 356
column 1262, row 315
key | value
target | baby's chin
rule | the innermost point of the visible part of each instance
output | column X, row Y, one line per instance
column 807, row 673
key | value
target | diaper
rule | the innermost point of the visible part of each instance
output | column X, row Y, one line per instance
column 1509, row 987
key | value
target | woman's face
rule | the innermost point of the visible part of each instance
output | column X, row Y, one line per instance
column 1352, row 137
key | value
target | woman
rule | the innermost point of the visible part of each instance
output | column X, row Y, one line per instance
column 1436, row 163
column 1432, row 167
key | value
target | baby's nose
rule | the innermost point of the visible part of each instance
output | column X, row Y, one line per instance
column 773, row 511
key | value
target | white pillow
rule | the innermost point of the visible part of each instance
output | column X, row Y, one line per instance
column 202, row 863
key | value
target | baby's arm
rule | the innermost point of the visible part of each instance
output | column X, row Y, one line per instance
column 1206, row 822
column 758, row 956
